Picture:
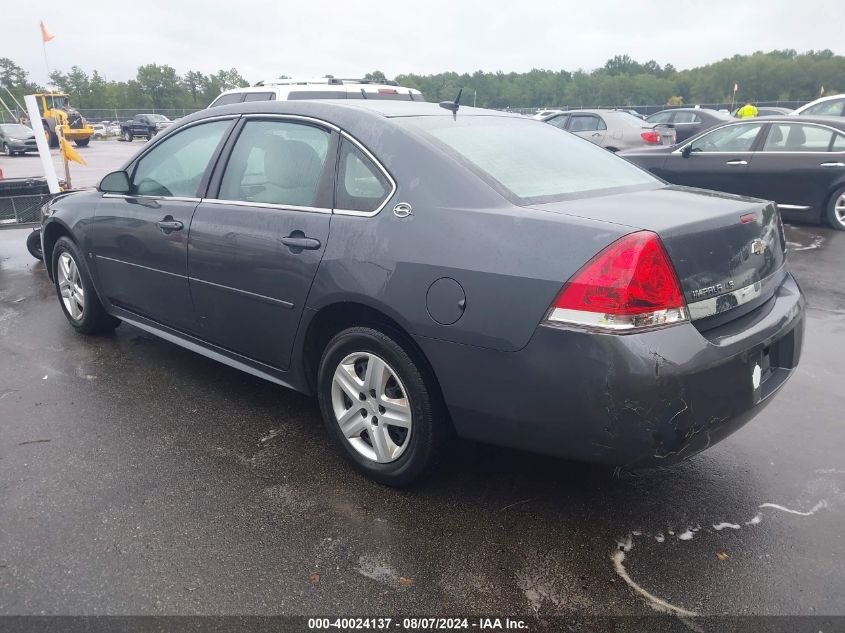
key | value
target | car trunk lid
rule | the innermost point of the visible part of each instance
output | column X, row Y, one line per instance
column 728, row 251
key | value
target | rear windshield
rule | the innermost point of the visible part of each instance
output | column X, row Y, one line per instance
column 531, row 161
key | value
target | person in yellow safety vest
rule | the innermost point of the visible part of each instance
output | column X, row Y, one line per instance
column 748, row 111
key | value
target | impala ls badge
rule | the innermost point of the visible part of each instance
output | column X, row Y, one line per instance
column 758, row 246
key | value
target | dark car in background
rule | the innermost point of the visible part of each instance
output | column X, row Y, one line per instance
column 688, row 121
column 143, row 126
column 612, row 129
column 16, row 138
column 799, row 162
column 484, row 273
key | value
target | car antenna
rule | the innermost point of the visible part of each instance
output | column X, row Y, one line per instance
column 453, row 106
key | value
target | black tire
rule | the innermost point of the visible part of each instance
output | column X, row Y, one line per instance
column 126, row 135
column 33, row 244
column 94, row 318
column 835, row 218
column 52, row 138
column 429, row 426
column 82, row 142
column 7, row 150
column 150, row 135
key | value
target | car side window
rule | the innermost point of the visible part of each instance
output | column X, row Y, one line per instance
column 731, row 138
column 794, row 137
column 276, row 162
column 660, row 117
column 259, row 96
column 361, row 185
column 838, row 144
column 176, row 166
column 558, row 121
column 234, row 97
column 826, row 108
column 585, row 123
column 687, row 117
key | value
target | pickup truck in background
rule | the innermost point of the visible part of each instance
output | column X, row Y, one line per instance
column 144, row 126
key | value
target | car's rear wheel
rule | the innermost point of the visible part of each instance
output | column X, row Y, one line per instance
column 836, row 210
column 150, row 135
column 76, row 292
column 379, row 406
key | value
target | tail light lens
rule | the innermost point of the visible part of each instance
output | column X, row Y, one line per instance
column 630, row 285
column 652, row 136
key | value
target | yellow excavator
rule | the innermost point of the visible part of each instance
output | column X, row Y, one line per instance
column 57, row 115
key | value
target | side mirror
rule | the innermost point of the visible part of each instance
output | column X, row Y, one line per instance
column 686, row 151
column 115, row 182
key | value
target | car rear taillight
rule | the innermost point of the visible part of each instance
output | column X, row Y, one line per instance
column 652, row 136
column 629, row 285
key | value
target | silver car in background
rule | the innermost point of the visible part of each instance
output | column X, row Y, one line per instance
column 614, row 130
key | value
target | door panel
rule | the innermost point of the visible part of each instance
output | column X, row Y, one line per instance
column 141, row 266
column 791, row 166
column 588, row 126
column 717, row 160
column 717, row 171
column 140, row 240
column 255, row 249
column 248, row 287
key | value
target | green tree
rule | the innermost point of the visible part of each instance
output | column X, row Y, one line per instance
column 161, row 83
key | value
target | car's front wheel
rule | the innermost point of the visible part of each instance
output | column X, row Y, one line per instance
column 380, row 407
column 76, row 292
column 7, row 150
column 127, row 135
column 836, row 210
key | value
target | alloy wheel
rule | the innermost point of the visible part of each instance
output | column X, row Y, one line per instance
column 371, row 407
column 839, row 209
column 70, row 286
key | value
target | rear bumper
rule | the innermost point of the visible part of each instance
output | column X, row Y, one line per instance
column 636, row 400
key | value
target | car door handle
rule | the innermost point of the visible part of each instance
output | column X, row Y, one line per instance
column 733, row 163
column 833, row 164
column 298, row 242
column 168, row 224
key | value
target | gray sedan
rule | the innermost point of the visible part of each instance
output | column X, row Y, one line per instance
column 426, row 273
column 614, row 130
column 16, row 139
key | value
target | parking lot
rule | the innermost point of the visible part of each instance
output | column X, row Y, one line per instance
column 141, row 478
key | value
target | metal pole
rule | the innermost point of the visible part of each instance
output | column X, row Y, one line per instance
column 62, row 142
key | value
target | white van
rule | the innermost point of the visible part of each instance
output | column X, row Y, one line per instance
column 322, row 88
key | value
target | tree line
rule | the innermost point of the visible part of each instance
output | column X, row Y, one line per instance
column 781, row 75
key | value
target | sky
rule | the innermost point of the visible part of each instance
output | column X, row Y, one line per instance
column 267, row 38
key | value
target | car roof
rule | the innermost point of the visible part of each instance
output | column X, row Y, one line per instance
column 387, row 108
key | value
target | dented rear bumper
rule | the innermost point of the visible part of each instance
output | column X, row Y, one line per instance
column 644, row 399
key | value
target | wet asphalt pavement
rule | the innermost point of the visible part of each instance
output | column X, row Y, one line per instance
column 139, row 478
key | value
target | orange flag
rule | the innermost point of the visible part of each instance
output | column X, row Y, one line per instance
column 46, row 36
column 70, row 153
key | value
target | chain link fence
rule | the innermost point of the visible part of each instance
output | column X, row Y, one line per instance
column 99, row 115
column 21, row 200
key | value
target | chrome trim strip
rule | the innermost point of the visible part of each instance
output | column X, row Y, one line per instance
column 142, row 197
column 741, row 296
column 295, row 117
column 266, row 205
column 615, row 322
column 377, row 163
column 793, row 207
column 201, row 346
column 253, row 295
column 155, row 270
